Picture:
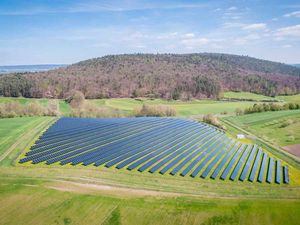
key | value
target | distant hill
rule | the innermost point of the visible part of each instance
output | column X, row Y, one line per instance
column 297, row 65
column 161, row 75
column 29, row 68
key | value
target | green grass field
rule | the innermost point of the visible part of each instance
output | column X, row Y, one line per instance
column 42, row 101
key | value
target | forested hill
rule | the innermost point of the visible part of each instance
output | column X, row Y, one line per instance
column 158, row 75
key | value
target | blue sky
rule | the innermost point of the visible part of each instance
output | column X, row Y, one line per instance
column 52, row 31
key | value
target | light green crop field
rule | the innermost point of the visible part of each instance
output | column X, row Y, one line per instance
column 42, row 101
column 247, row 95
column 291, row 98
column 280, row 128
column 40, row 194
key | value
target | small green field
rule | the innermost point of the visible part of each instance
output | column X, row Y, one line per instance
column 280, row 128
column 41, row 101
column 291, row 98
column 248, row 96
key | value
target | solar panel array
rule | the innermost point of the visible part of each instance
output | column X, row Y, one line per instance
column 163, row 145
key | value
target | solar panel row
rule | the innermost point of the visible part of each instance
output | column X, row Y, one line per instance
column 154, row 144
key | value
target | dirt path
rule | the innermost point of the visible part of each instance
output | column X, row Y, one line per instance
column 90, row 188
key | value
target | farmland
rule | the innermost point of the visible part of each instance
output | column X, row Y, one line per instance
column 113, row 193
column 119, row 196
column 280, row 128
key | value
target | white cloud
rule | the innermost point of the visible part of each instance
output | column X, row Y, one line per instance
column 232, row 8
column 286, row 46
column 293, row 14
column 246, row 39
column 189, row 35
column 232, row 25
column 255, row 26
column 166, row 36
column 192, row 43
column 290, row 31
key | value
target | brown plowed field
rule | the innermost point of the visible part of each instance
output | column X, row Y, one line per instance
column 293, row 149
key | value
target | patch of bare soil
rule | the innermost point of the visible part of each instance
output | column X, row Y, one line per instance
column 92, row 188
column 293, row 149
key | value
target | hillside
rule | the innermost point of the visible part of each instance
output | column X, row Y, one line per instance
column 176, row 76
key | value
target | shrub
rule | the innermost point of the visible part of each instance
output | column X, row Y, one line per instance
column 286, row 123
column 211, row 119
column 75, row 99
column 88, row 109
column 154, row 110
column 239, row 112
column 14, row 109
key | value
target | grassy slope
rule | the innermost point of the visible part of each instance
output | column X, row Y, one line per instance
column 34, row 184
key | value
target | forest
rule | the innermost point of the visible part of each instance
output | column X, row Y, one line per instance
column 168, row 76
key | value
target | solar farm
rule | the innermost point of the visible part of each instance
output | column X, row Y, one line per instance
column 156, row 145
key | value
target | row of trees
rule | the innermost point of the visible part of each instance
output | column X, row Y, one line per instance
column 256, row 108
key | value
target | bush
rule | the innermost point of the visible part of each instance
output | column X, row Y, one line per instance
column 14, row 109
column 211, row 119
column 286, row 123
column 239, row 112
column 88, row 109
column 154, row 110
